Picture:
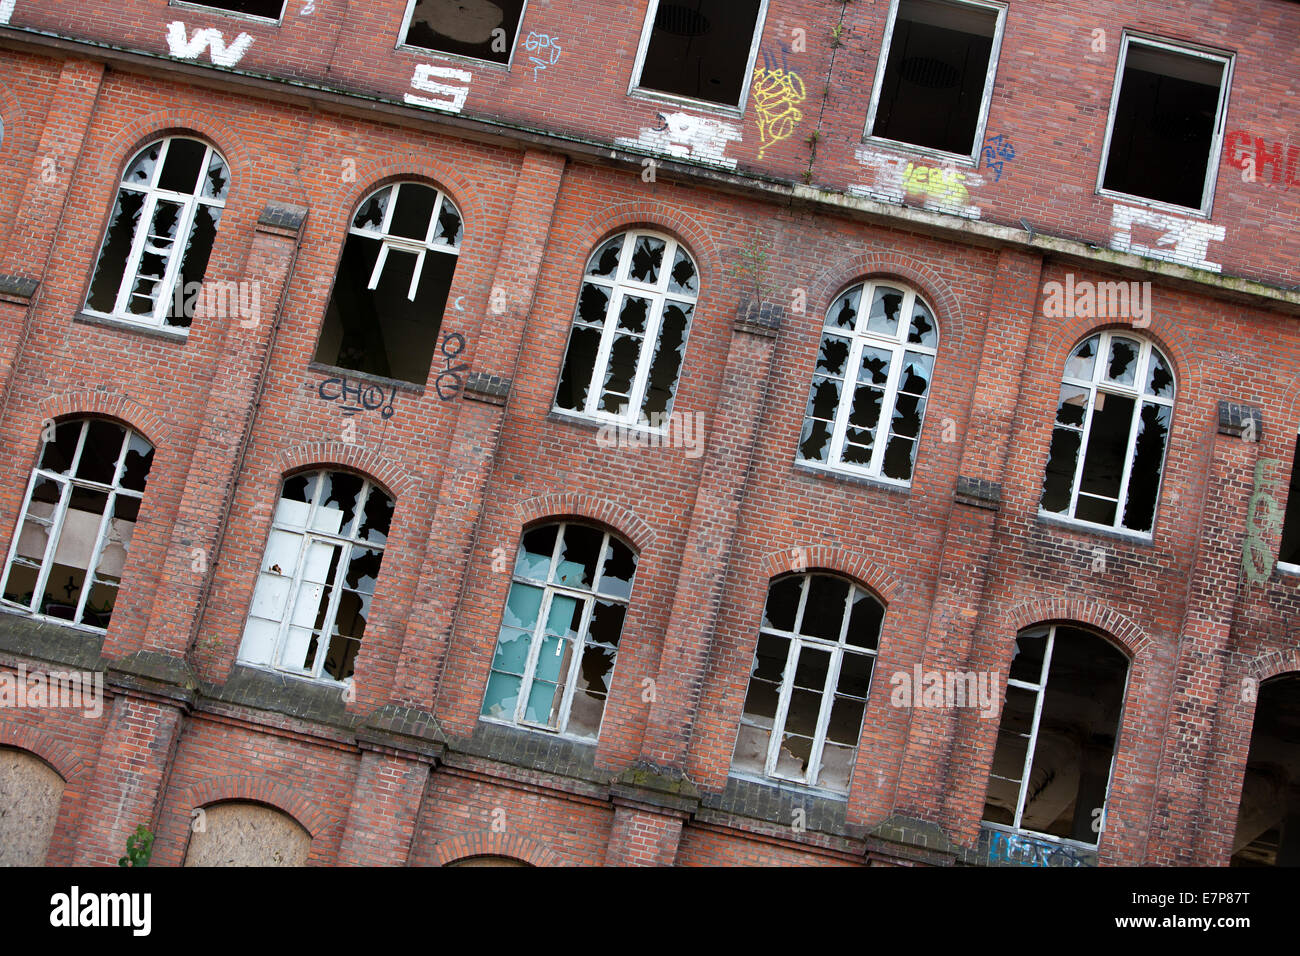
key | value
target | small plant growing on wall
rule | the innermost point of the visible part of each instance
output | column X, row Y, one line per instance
column 753, row 266
column 139, row 848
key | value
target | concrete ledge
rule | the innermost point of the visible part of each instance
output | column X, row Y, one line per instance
column 266, row 690
column 777, row 804
column 661, row 787
column 403, row 730
column 759, row 318
column 978, row 492
column 491, row 389
column 17, row 287
column 1236, row 420
column 51, row 642
column 283, row 215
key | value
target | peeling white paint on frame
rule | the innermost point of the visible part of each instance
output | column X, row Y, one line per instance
column 7, row 10
column 690, row 137
column 1183, row 240
column 183, row 46
column 451, row 96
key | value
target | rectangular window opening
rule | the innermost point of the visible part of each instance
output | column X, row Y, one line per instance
column 700, row 49
column 266, row 9
column 1290, row 553
column 935, row 79
column 479, row 29
column 1165, row 124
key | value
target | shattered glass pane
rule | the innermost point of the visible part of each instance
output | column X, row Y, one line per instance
column 1073, row 405
column 450, row 225
column 750, row 755
column 1160, row 380
column 824, row 399
column 535, row 551
column 844, row 311
column 194, row 264
column 617, row 572
column 1122, row 368
column 217, row 181
column 593, row 304
column 371, row 214
column 522, row 606
column 922, row 331
column 865, row 619
column 647, row 258
column 158, row 250
column 377, row 517
column 667, row 362
column 855, row 679
column 824, row 610
column 1083, row 360
column 845, row 724
column 1148, row 462
column 363, row 570
column 858, row 447
column 1062, row 459
column 770, row 657
column 339, row 497
column 58, row 454
column 683, row 280
column 579, row 553
column 565, row 616
column 413, row 211
column 836, row 768
column 810, row 673
column 579, row 366
column 875, row 366
column 783, row 603
column 632, row 316
column 502, row 696
column 512, row 650
column 606, row 626
column 908, row 411
column 916, row 374
column 865, row 412
column 116, row 250
column 101, row 451
column 899, row 454
column 761, row 702
column 182, row 166
column 815, row 441
column 1107, row 454
column 885, row 307
column 604, row 261
column 623, row 359
column 141, row 170
column 544, row 701
column 793, row 757
column 834, row 355
column 1027, row 664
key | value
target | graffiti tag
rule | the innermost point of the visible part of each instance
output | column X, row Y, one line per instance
column 996, row 151
column 359, row 397
column 540, row 43
column 448, row 383
column 1263, row 519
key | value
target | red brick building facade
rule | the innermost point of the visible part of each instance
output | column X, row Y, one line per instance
column 811, row 179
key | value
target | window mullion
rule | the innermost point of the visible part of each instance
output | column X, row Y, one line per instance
column 649, row 342
column 1033, row 728
column 782, row 707
column 52, row 545
column 132, row 271
column 332, row 609
column 571, row 679
column 888, row 400
column 534, row 651
column 847, row 396
column 1126, row 474
column 89, row 579
column 1077, row 484
column 824, row 715
column 601, row 364
column 295, row 588
column 180, row 246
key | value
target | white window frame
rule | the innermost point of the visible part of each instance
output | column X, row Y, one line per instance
column 345, row 544
column 837, row 651
column 587, row 598
column 1039, row 691
column 1099, row 383
column 402, row 44
column 619, row 287
column 391, row 243
column 1286, row 566
column 898, row 349
column 1216, row 143
column 59, row 515
column 199, row 7
column 189, row 203
column 635, row 89
column 986, row 100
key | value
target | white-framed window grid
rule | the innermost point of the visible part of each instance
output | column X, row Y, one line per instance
column 55, row 521
column 914, row 343
column 663, row 293
column 544, row 634
column 738, row 109
column 322, row 559
column 169, row 250
column 837, row 650
column 1038, row 689
column 404, row 44
column 1220, row 124
column 971, row 159
column 435, row 238
column 1099, row 383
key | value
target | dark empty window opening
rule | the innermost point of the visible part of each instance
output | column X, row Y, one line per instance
column 700, row 49
column 1268, row 817
column 482, row 29
column 1290, row 553
column 270, row 9
column 1163, row 125
column 392, row 284
column 937, row 73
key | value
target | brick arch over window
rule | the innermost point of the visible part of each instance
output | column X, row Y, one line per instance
column 107, row 168
column 488, row 843
column 44, row 747
column 108, row 405
column 626, row 523
column 825, row 557
column 375, row 174
column 660, row 217
column 884, row 265
column 1120, row 629
column 394, row 480
column 244, row 787
column 1183, row 356
column 1273, row 664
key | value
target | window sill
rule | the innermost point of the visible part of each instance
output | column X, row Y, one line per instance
column 1156, row 204
column 478, row 63
column 789, row 786
column 673, row 99
column 233, row 14
column 1135, row 538
column 540, row 734
column 968, row 160
column 401, row 386
column 826, row 473
column 1290, row 570
column 152, row 331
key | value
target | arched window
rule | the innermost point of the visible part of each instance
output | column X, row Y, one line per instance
column 629, row 333
column 1112, row 430
column 30, row 792
column 870, row 383
column 318, row 575
column 77, row 522
column 1268, row 817
column 809, row 684
column 391, row 289
column 559, row 634
column 239, row 833
column 1056, row 740
column 159, row 238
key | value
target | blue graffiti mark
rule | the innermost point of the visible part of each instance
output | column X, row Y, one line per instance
column 1015, row 849
column 540, row 43
column 996, row 151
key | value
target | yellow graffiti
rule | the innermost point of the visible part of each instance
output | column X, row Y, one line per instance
column 777, row 94
column 945, row 185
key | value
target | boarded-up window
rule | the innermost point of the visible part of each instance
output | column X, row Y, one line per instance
column 30, row 792
column 246, row 834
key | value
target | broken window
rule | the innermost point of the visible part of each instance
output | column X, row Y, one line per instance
column 318, row 575
column 809, row 683
column 267, row 9
column 554, row 659
column 160, row 234
column 1166, row 119
column 629, row 331
column 392, row 284
column 1056, row 740
column 870, row 383
column 1268, row 817
column 700, row 49
column 1112, row 430
column 1290, row 553
column 935, row 75
column 482, row 29
column 77, row 522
